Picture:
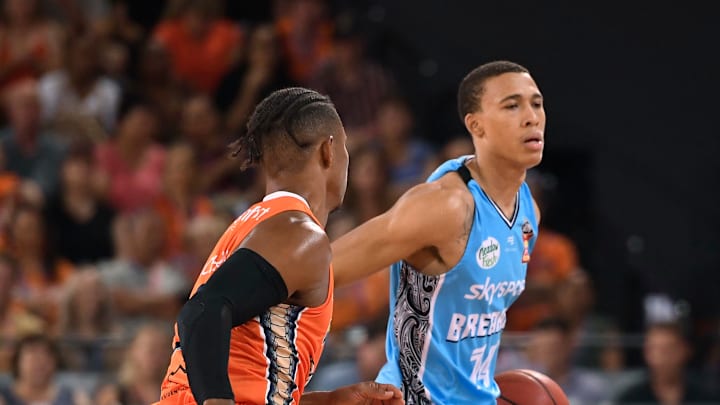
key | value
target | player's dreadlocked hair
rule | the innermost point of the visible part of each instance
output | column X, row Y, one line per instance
column 472, row 86
column 286, row 121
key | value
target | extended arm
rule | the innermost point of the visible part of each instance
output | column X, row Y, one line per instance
column 425, row 216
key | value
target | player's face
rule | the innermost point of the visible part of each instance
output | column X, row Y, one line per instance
column 512, row 118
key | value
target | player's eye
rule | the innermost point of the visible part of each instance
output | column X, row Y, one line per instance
column 511, row 106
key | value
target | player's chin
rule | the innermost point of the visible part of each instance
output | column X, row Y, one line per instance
column 531, row 160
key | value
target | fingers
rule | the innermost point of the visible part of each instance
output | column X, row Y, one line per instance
column 373, row 390
column 395, row 391
column 383, row 393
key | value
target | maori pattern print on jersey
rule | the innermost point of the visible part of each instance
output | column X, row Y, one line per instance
column 279, row 325
column 411, row 328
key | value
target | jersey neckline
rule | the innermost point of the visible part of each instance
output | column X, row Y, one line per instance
column 278, row 194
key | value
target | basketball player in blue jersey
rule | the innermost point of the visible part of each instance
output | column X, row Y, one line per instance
column 459, row 245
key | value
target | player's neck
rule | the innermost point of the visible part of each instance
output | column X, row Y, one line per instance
column 499, row 180
column 313, row 193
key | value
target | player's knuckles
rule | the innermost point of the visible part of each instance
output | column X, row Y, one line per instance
column 372, row 386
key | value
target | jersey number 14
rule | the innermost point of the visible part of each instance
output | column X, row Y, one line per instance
column 481, row 369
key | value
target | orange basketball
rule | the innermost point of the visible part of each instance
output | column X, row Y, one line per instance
column 528, row 387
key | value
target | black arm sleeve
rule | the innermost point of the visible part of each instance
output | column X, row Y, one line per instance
column 244, row 286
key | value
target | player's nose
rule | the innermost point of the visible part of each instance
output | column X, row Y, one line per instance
column 531, row 117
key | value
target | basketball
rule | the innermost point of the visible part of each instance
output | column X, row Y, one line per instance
column 528, row 387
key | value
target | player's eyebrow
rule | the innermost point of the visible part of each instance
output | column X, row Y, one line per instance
column 518, row 96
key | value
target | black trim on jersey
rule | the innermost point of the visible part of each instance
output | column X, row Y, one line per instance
column 465, row 175
column 510, row 223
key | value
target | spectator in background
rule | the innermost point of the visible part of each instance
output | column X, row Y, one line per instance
column 181, row 200
column 115, row 26
column 132, row 161
column 144, row 286
column 356, row 85
column 41, row 273
column 200, row 127
column 86, row 321
column 14, row 191
column 410, row 159
column 258, row 74
column 30, row 44
column 710, row 364
column 15, row 319
column 550, row 352
column 305, row 35
column 458, row 145
column 369, row 191
column 156, row 84
column 201, row 235
column 667, row 351
column 28, row 151
column 574, row 301
column 142, row 370
column 79, row 222
column 79, row 90
column 34, row 366
column 202, row 45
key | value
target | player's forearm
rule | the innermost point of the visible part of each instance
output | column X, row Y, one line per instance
column 204, row 332
column 355, row 259
column 315, row 398
column 363, row 251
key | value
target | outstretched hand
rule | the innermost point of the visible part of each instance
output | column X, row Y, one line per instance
column 367, row 393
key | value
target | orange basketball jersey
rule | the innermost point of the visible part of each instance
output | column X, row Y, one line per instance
column 272, row 356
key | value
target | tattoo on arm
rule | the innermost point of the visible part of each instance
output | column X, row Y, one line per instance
column 467, row 222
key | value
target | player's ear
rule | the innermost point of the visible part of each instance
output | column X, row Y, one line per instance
column 326, row 152
column 473, row 123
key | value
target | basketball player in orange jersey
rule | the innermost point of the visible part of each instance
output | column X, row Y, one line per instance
column 254, row 327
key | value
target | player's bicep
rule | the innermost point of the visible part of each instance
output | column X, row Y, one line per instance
column 424, row 217
column 382, row 240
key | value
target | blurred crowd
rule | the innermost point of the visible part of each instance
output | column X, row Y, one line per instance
column 115, row 183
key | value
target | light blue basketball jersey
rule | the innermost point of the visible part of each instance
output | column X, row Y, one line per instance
column 444, row 331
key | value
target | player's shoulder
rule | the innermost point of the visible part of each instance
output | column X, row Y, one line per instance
column 295, row 230
column 444, row 203
column 448, row 192
column 298, row 224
